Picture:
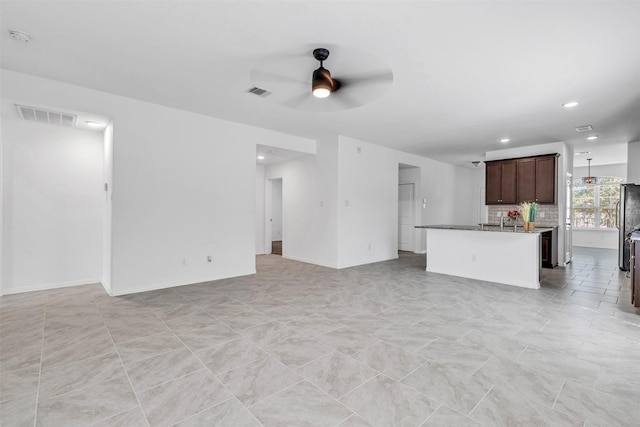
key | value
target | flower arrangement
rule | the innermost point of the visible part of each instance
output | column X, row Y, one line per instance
column 513, row 215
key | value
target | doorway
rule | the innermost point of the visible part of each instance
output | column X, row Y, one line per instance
column 406, row 218
column 273, row 216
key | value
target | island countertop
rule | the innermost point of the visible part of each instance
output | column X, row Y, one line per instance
column 486, row 227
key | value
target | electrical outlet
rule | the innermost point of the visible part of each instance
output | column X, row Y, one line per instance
column 473, row 258
column 541, row 214
column 184, row 261
column 499, row 214
column 209, row 258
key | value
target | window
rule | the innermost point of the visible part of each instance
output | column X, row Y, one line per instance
column 594, row 205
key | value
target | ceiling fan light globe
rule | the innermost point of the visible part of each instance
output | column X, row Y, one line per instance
column 322, row 84
column 321, row 92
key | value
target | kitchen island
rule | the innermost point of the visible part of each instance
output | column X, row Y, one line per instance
column 508, row 255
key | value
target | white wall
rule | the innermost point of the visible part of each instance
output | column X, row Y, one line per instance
column 53, row 205
column 607, row 239
column 183, row 185
column 633, row 162
column 310, row 204
column 260, row 215
column 108, row 211
column 320, row 229
column 616, row 170
column 276, row 209
column 451, row 193
column 368, row 203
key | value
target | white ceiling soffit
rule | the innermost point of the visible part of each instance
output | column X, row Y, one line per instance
column 41, row 115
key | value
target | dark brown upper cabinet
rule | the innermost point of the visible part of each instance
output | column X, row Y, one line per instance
column 546, row 179
column 501, row 182
column 527, row 179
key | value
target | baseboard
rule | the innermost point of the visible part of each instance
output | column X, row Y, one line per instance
column 308, row 261
column 49, row 286
column 173, row 284
column 371, row 261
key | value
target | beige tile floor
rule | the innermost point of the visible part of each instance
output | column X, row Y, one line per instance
column 301, row 345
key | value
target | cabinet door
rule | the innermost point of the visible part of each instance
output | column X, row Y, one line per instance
column 527, row 180
column 492, row 183
column 545, row 180
column 508, row 185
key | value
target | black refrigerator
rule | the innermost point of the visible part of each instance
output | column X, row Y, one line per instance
column 628, row 221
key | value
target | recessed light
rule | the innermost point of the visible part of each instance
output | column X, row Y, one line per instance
column 592, row 137
column 504, row 140
column 92, row 123
column 260, row 157
column 19, row 36
column 570, row 104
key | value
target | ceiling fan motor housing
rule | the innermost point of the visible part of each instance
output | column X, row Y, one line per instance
column 321, row 54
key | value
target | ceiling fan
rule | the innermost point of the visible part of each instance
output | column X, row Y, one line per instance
column 286, row 77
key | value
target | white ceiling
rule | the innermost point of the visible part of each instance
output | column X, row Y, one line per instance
column 459, row 75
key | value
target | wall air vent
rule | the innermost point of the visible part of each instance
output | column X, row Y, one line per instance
column 585, row 128
column 35, row 114
column 258, row 91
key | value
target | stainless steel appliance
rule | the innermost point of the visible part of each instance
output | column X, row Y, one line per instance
column 628, row 221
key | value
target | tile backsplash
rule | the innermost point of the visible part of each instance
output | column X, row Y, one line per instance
column 545, row 215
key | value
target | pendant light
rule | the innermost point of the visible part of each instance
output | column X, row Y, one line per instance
column 589, row 179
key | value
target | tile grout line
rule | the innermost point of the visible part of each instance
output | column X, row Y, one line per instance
column 214, row 375
column 302, row 379
column 124, row 369
column 433, row 413
column 479, row 402
column 44, row 325
column 564, row 381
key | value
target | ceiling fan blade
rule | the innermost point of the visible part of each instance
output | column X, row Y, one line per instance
column 365, row 78
column 265, row 76
column 297, row 100
column 345, row 100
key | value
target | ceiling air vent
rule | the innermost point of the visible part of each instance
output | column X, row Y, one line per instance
column 35, row 114
column 585, row 128
column 258, row 91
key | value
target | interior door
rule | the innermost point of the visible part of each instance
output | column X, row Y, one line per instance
column 406, row 220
